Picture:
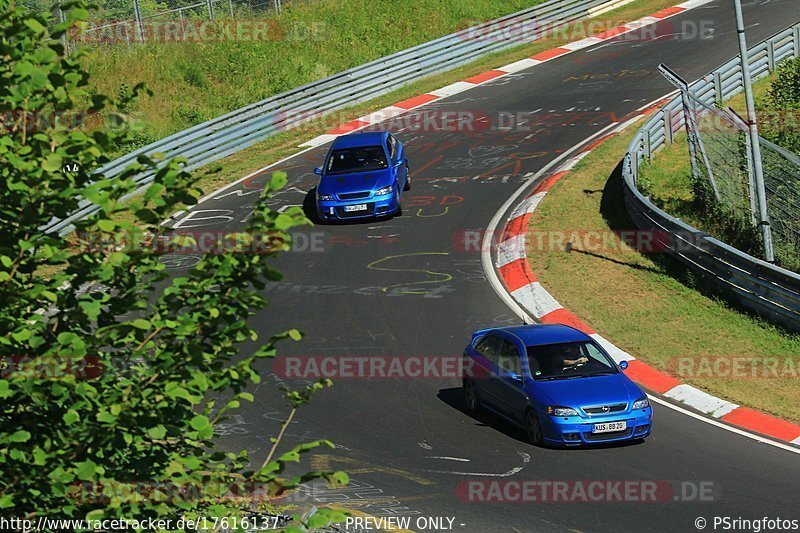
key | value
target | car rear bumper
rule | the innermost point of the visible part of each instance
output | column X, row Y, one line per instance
column 376, row 207
column 575, row 430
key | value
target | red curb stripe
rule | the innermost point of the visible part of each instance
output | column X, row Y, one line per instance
column 650, row 377
column 550, row 181
column 562, row 316
column 613, row 32
column 550, row 54
column 664, row 13
column 516, row 274
column 485, row 76
column 766, row 424
column 416, row 101
column 514, row 227
column 347, row 127
column 598, row 142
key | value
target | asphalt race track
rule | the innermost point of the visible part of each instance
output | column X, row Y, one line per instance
column 408, row 287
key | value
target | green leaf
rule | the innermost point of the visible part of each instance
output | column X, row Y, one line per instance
column 158, row 432
column 85, row 470
column 106, row 225
column 34, row 25
column 199, row 422
column 19, row 436
column 141, row 323
column 295, row 335
column 70, row 417
column 53, row 163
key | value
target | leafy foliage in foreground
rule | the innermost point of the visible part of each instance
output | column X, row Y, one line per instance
column 81, row 434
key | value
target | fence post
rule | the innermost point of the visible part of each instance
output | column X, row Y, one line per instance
column 648, row 146
column 139, row 25
column 210, row 4
column 61, row 20
column 230, row 5
column 278, row 7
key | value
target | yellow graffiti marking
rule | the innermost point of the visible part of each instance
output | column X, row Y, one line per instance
column 356, row 466
column 443, row 279
column 446, row 209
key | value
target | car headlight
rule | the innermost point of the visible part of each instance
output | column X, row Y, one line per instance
column 559, row 410
column 641, row 403
column 325, row 197
column 384, row 190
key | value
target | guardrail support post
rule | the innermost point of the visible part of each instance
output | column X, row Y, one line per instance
column 230, row 5
column 797, row 41
column 668, row 125
column 648, row 147
column 771, row 55
column 718, row 87
column 210, row 4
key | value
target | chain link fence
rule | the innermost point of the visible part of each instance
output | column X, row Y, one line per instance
column 724, row 183
column 131, row 21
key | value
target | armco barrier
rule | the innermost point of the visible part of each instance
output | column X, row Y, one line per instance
column 237, row 130
column 770, row 291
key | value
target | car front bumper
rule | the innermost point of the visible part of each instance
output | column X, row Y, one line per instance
column 377, row 206
column 576, row 430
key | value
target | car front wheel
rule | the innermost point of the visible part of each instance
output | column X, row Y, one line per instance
column 471, row 396
column 532, row 428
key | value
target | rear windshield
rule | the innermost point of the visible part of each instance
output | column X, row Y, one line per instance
column 569, row 359
column 361, row 159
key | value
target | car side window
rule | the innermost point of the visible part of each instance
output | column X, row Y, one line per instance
column 392, row 142
column 508, row 357
column 487, row 347
column 595, row 356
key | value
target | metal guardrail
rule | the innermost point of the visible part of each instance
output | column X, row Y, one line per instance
column 769, row 290
column 237, row 130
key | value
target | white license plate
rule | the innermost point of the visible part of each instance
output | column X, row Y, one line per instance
column 357, row 207
column 607, row 427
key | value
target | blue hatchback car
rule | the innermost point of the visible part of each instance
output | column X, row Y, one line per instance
column 557, row 383
column 364, row 176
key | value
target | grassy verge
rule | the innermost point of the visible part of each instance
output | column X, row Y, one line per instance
column 646, row 303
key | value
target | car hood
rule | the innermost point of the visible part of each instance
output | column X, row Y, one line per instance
column 355, row 182
column 598, row 390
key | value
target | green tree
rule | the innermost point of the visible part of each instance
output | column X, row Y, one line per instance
column 62, row 431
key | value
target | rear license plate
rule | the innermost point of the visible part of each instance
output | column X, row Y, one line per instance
column 608, row 427
column 355, row 208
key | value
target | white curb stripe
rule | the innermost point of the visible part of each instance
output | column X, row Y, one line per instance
column 583, row 43
column 616, row 353
column 522, row 64
column 319, row 140
column 382, row 114
column 528, row 205
column 511, row 250
column 702, row 401
column 453, row 88
column 536, row 300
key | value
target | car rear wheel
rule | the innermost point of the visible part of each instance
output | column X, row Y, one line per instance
column 532, row 428
column 471, row 396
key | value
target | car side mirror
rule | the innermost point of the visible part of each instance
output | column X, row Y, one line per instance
column 318, row 171
column 623, row 365
column 398, row 163
column 515, row 377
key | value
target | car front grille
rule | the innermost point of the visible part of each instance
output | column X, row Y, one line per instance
column 593, row 437
column 353, row 195
column 605, row 409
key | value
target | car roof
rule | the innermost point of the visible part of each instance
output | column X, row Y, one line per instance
column 354, row 140
column 537, row 334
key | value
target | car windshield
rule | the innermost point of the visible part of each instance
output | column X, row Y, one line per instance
column 361, row 159
column 568, row 360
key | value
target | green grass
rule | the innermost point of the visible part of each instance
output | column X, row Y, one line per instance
column 647, row 304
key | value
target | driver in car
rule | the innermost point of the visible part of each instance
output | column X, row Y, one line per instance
column 572, row 357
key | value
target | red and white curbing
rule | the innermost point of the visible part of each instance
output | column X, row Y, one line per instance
column 521, row 282
column 391, row 111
